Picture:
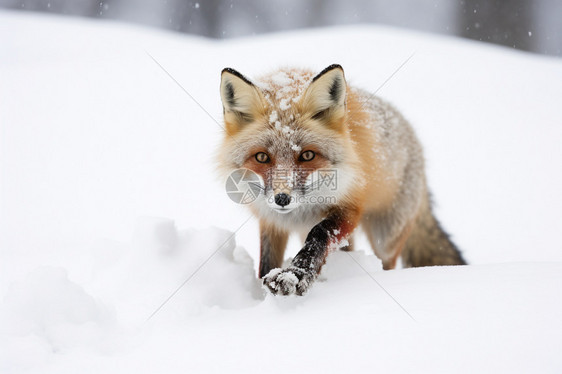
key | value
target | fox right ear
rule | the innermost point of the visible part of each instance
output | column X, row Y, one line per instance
column 325, row 98
column 241, row 100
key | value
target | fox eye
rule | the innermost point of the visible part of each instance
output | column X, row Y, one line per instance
column 307, row 156
column 262, row 157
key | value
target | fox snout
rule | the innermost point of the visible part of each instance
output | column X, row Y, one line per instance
column 282, row 199
column 282, row 184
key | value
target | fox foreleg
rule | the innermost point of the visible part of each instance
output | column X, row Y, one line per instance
column 272, row 248
column 330, row 234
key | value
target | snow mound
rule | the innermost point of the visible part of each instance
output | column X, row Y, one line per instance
column 45, row 300
column 195, row 267
column 47, row 313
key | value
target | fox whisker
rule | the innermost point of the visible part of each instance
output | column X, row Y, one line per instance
column 257, row 185
column 309, row 187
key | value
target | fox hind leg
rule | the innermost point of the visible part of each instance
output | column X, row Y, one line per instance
column 386, row 237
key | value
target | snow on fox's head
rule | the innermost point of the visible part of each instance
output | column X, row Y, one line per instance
column 289, row 128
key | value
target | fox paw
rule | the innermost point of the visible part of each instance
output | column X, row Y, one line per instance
column 292, row 280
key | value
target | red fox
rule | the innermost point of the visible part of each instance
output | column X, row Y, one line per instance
column 329, row 158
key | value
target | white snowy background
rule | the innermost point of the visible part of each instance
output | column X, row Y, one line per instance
column 109, row 202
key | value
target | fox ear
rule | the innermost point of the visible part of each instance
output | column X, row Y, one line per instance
column 241, row 100
column 325, row 97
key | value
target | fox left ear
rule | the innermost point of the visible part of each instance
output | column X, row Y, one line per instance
column 241, row 100
column 325, row 97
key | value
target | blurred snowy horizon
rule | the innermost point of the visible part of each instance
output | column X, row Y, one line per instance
column 531, row 26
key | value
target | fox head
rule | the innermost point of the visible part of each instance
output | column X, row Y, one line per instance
column 289, row 127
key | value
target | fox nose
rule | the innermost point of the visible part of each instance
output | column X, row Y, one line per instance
column 282, row 199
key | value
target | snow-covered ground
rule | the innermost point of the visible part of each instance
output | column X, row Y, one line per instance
column 109, row 202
